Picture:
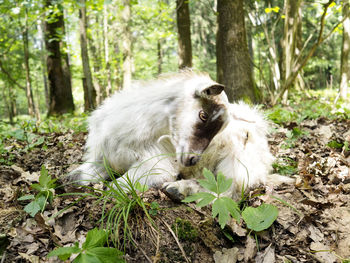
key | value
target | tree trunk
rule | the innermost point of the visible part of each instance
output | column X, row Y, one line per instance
column 65, row 55
column 108, row 90
column 345, row 68
column 43, row 66
column 127, row 49
column 291, row 8
column 61, row 98
column 234, row 67
column 29, row 90
column 184, row 33
column 160, row 56
column 91, row 93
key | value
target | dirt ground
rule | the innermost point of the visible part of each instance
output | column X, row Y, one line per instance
column 313, row 223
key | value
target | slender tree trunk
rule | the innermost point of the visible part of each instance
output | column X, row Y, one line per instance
column 160, row 56
column 345, row 67
column 10, row 102
column 43, row 66
column 184, row 33
column 127, row 49
column 61, row 98
column 91, row 92
column 29, row 90
column 108, row 90
column 234, row 67
column 64, row 45
column 291, row 8
column 97, row 63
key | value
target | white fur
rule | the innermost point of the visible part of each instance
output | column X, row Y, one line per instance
column 140, row 131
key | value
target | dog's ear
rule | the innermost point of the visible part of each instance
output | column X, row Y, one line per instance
column 213, row 90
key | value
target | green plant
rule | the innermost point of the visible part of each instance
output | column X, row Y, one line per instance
column 92, row 250
column 45, row 189
column 292, row 137
column 154, row 207
column 285, row 166
column 184, row 230
column 257, row 219
column 223, row 206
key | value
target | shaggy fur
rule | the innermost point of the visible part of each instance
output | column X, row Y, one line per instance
column 152, row 134
column 154, row 128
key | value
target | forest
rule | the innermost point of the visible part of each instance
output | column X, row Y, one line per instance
column 60, row 59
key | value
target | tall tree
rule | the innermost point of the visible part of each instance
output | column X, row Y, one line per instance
column 61, row 98
column 291, row 24
column 29, row 90
column 108, row 89
column 184, row 33
column 127, row 49
column 234, row 67
column 89, row 90
column 345, row 51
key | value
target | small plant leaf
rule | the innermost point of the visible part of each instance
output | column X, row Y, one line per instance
column 32, row 208
column 87, row 258
column 107, row 254
column 95, row 238
column 44, row 178
column 207, row 198
column 210, row 183
column 141, row 187
column 232, row 207
column 198, row 196
column 261, row 217
column 65, row 252
column 26, row 197
column 223, row 183
column 219, row 208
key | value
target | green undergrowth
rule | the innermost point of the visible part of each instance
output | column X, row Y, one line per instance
column 315, row 105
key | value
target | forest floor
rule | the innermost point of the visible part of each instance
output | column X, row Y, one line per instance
column 313, row 223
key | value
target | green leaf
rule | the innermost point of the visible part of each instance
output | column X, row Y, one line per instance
column 95, row 238
column 32, row 208
column 219, row 208
column 261, row 217
column 197, row 196
column 25, row 197
column 65, row 252
column 206, row 199
column 107, row 254
column 87, row 258
column 209, row 176
column 232, row 207
column 41, row 200
column 210, row 183
column 223, row 183
column 141, row 187
column 37, row 187
column 44, row 178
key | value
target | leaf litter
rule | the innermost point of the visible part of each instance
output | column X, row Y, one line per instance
column 313, row 224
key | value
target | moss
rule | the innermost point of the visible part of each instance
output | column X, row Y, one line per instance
column 184, row 230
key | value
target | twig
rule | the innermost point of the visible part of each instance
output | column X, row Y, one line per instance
column 177, row 241
column 3, row 257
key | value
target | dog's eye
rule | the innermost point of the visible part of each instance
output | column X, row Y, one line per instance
column 203, row 116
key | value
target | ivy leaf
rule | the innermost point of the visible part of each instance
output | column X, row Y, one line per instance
column 223, row 183
column 106, row 254
column 210, row 183
column 219, row 208
column 261, row 217
column 65, row 252
column 232, row 207
column 95, row 238
column 32, row 208
column 205, row 198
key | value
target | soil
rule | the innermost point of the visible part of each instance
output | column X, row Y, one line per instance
column 313, row 223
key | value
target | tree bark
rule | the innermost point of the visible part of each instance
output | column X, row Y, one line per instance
column 160, row 56
column 61, row 98
column 127, row 48
column 29, row 90
column 234, row 67
column 91, row 92
column 108, row 90
column 344, row 64
column 184, row 33
column 43, row 66
column 291, row 8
